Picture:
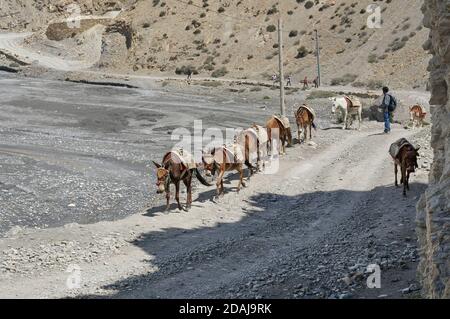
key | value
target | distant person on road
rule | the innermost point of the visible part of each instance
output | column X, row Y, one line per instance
column 388, row 106
column 189, row 76
column 289, row 81
column 316, row 82
column 305, row 83
column 274, row 79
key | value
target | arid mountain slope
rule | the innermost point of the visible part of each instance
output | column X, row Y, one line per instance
column 238, row 38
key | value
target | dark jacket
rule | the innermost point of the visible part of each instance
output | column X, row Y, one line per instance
column 386, row 102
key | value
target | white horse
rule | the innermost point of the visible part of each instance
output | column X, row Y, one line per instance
column 341, row 104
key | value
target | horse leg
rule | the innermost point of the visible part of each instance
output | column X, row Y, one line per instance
column 395, row 172
column 407, row 180
column 241, row 177
column 298, row 133
column 301, row 136
column 360, row 118
column 177, row 194
column 404, row 179
column 310, row 130
column 250, row 169
column 188, row 183
column 168, row 199
column 219, row 182
column 345, row 120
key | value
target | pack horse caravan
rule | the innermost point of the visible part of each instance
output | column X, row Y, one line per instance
column 253, row 146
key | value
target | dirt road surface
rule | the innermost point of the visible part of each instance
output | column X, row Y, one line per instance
column 76, row 189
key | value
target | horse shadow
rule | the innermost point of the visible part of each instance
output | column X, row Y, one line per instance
column 332, row 128
column 203, row 197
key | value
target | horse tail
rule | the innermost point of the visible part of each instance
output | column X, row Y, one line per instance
column 200, row 178
column 289, row 136
column 314, row 126
column 248, row 164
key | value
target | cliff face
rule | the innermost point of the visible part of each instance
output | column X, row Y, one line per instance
column 434, row 206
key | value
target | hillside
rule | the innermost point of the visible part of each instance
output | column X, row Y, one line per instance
column 238, row 38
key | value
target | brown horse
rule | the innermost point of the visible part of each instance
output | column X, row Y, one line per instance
column 254, row 143
column 417, row 115
column 220, row 159
column 305, row 119
column 407, row 160
column 172, row 171
column 277, row 131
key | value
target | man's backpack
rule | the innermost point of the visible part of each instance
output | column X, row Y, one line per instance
column 393, row 103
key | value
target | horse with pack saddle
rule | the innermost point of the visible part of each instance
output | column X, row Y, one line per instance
column 404, row 155
column 279, row 133
column 177, row 166
column 348, row 106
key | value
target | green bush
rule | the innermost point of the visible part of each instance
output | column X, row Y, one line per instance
column 372, row 58
column 320, row 95
column 293, row 33
column 301, row 52
column 344, row 80
column 271, row 28
column 219, row 72
column 272, row 10
column 309, row 4
column 185, row 70
column 374, row 84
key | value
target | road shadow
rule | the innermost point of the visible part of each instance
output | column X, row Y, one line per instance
column 184, row 254
column 377, row 134
column 332, row 128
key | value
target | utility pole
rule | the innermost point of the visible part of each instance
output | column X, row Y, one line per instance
column 280, row 62
column 318, row 57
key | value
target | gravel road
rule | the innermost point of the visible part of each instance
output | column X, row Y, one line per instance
column 74, row 163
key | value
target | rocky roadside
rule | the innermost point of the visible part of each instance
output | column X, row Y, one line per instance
column 336, row 266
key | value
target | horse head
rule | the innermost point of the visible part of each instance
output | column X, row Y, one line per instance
column 411, row 159
column 163, row 178
column 334, row 104
column 209, row 162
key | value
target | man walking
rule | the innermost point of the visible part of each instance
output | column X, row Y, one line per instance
column 388, row 106
column 316, row 82
column 189, row 76
column 289, row 81
column 274, row 79
column 305, row 83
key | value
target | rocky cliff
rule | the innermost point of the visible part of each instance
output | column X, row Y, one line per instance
column 434, row 206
